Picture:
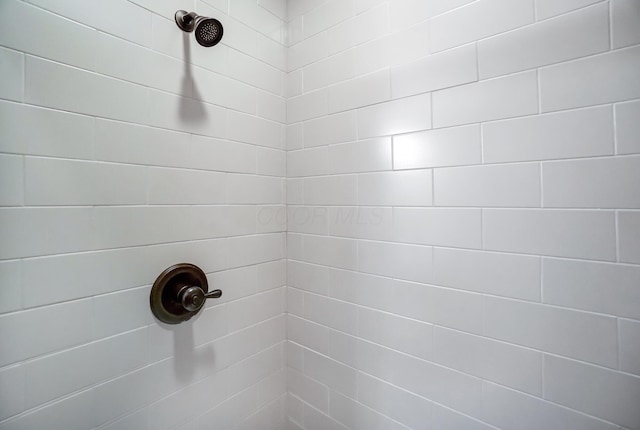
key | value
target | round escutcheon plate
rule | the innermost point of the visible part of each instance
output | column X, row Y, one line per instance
column 164, row 299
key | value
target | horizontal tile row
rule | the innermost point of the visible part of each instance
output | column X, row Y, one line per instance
column 582, row 234
column 136, row 388
column 84, row 229
column 54, row 182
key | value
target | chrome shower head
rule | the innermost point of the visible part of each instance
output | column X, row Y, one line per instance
column 208, row 31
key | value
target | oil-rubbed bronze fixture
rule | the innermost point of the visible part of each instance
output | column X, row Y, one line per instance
column 179, row 293
column 208, row 31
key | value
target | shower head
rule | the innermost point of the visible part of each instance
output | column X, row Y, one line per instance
column 208, row 31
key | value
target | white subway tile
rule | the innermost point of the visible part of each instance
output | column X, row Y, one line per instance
column 582, row 387
column 307, row 106
column 294, row 34
column 595, row 183
column 374, row 223
column 58, row 133
column 326, row 15
column 216, row 154
column 403, row 46
column 332, row 313
column 488, row 359
column 294, row 138
column 442, row 306
column 401, row 334
column 52, row 328
column 12, row 180
column 271, row 52
column 330, row 251
column 308, row 51
column 247, row 250
column 118, row 226
column 604, row 78
column 276, row 7
column 570, row 36
column 442, row 70
column 57, row 86
column 257, row 17
column 361, row 91
column 330, row 190
column 407, row 188
column 45, row 281
column 72, row 413
column 508, row 275
column 445, row 418
column 625, row 29
column 293, row 84
column 628, row 127
column 251, row 129
column 437, row 7
column 362, row 156
column 395, row 260
column 577, row 133
column 12, row 391
column 581, row 335
column 507, row 408
column 247, row 69
column 177, row 186
column 548, row 8
column 438, row 226
column 479, row 20
column 11, row 281
column 629, row 237
column 50, row 182
column 512, row 185
column 364, row 5
column 394, row 117
column 308, row 219
column 308, row 277
column 120, row 18
column 23, row 230
column 433, row 148
column 629, row 346
column 194, row 116
column 132, row 312
column 125, row 60
column 561, row 233
column 402, row 406
column 67, row 41
column 333, row 374
column 225, row 92
column 598, row 287
column 136, row 144
column 405, row 13
column 444, row 386
column 307, row 162
column 12, row 71
column 505, row 97
column 271, row 162
column 329, row 71
column 309, row 390
column 353, row 415
column 59, row 374
column 357, row 30
column 337, row 128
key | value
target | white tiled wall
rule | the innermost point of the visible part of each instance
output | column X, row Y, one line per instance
column 125, row 147
column 463, row 193
column 457, row 180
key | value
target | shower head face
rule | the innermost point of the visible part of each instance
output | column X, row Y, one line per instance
column 208, row 31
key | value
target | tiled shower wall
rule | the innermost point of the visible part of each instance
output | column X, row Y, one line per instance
column 126, row 148
column 464, row 235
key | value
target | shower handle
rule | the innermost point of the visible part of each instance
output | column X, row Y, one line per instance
column 192, row 297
